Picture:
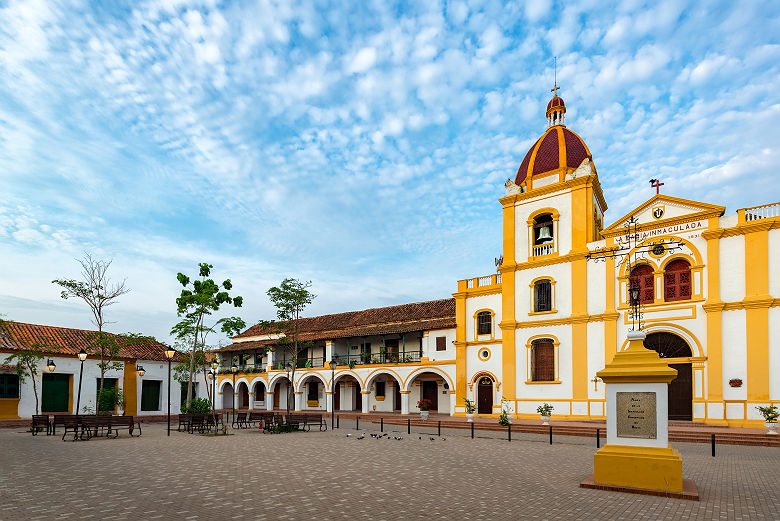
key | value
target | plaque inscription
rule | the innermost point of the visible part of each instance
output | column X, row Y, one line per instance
column 636, row 415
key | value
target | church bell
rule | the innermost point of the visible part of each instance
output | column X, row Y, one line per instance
column 544, row 235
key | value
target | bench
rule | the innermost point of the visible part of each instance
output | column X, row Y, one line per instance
column 90, row 425
column 260, row 418
column 241, row 421
column 213, row 420
column 39, row 421
column 272, row 422
column 185, row 421
column 307, row 420
column 72, row 424
column 60, row 419
column 128, row 422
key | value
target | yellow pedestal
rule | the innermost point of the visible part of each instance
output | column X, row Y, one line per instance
column 639, row 467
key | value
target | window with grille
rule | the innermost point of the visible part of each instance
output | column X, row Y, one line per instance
column 441, row 343
column 543, row 295
column 313, row 391
column 380, row 389
column 677, row 281
column 9, row 386
column 543, row 360
column 643, row 277
column 484, row 323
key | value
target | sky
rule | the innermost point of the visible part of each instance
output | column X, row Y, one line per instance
column 360, row 145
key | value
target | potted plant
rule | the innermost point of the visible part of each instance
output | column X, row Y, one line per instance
column 735, row 382
column 770, row 415
column 424, row 405
column 545, row 410
column 470, row 409
column 503, row 418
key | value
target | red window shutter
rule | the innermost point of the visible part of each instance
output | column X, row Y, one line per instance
column 543, row 360
column 643, row 277
column 677, row 281
column 441, row 343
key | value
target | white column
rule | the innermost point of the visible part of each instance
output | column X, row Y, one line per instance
column 298, row 401
column 364, row 401
column 270, row 360
column 404, row 402
column 328, row 351
column 269, row 401
column 452, row 402
column 328, row 401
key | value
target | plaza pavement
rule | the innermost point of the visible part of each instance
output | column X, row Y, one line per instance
column 328, row 475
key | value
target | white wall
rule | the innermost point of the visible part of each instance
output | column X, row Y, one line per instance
column 483, row 302
column 732, row 268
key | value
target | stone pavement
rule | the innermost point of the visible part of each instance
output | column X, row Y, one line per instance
column 327, row 475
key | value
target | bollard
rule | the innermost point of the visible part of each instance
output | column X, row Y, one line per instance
column 439, row 427
column 472, row 430
column 713, row 445
column 598, row 441
column 357, row 423
column 550, row 434
column 337, row 422
column 381, row 424
column 408, row 426
column 509, row 432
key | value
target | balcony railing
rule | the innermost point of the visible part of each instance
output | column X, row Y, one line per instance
column 755, row 213
column 378, row 358
column 544, row 249
column 479, row 282
column 246, row 368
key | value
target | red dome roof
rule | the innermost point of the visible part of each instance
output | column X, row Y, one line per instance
column 558, row 148
column 554, row 103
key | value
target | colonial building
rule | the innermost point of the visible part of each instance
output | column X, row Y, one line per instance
column 539, row 329
column 143, row 377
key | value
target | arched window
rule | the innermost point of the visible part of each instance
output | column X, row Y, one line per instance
column 642, row 276
column 667, row 345
column 543, row 360
column 544, row 242
column 677, row 280
column 484, row 323
column 259, row 392
column 543, row 295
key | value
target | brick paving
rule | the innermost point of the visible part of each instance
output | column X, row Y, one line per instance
column 327, row 475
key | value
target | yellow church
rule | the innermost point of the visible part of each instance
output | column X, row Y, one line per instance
column 539, row 329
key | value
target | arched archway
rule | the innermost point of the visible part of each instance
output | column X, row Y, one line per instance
column 282, row 390
column 259, row 394
column 674, row 348
column 313, row 386
column 242, row 400
column 386, row 388
column 346, row 393
column 427, row 384
column 227, row 396
column 485, row 395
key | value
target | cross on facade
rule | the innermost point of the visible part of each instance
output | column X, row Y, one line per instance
column 655, row 183
column 595, row 381
column 555, row 88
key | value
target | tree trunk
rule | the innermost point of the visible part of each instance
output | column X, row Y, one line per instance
column 35, row 389
column 102, row 366
column 192, row 361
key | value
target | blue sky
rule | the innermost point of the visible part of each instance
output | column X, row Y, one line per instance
column 360, row 145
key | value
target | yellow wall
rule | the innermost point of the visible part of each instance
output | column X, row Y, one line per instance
column 130, row 389
column 757, row 318
column 9, row 408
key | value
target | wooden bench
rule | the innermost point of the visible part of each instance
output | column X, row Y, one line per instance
column 272, row 422
column 214, row 420
column 128, row 422
column 307, row 420
column 60, row 419
column 260, row 418
column 90, row 425
column 39, row 421
column 185, row 421
column 72, row 424
column 241, row 421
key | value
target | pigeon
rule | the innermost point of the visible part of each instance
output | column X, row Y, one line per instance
column 349, row 435
column 420, row 437
column 431, row 439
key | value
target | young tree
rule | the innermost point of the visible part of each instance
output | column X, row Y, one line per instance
column 98, row 292
column 26, row 362
column 290, row 298
column 200, row 298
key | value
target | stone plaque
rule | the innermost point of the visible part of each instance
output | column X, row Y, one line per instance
column 636, row 415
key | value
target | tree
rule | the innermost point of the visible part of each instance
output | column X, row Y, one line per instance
column 26, row 362
column 290, row 298
column 98, row 292
column 200, row 298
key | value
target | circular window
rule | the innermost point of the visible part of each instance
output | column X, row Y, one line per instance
column 484, row 354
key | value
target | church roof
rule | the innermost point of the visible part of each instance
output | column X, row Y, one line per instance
column 558, row 148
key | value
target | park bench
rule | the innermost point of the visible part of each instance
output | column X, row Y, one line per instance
column 273, row 422
column 241, row 421
column 128, row 422
column 91, row 424
column 197, row 423
column 307, row 420
column 39, row 421
column 185, row 422
column 213, row 420
column 260, row 418
column 60, row 419
column 71, row 423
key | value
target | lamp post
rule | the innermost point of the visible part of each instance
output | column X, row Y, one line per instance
column 169, row 354
column 287, row 368
column 214, row 366
column 332, row 365
column 634, row 291
column 234, row 370
column 82, row 356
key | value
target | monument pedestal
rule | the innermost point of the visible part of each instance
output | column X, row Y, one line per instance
column 637, row 456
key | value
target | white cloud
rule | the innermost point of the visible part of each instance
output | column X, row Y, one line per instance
column 363, row 60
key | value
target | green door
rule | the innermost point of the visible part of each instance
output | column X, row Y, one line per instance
column 55, row 392
column 150, row 395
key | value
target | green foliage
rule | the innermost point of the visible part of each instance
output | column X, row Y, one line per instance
column 503, row 418
column 545, row 410
column 200, row 297
column 109, row 398
column 769, row 412
column 197, row 406
column 470, row 406
column 26, row 361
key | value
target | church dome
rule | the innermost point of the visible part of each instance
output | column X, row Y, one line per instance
column 559, row 149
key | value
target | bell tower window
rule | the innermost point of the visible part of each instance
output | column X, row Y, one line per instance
column 543, row 235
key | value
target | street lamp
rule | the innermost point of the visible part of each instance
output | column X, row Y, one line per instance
column 288, row 368
column 141, row 370
column 82, row 356
column 234, row 370
column 50, row 365
column 169, row 354
column 634, row 291
column 214, row 366
column 332, row 365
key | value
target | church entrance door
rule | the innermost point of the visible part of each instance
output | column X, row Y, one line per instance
column 671, row 346
column 485, row 396
column 430, row 392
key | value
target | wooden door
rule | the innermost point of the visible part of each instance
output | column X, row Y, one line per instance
column 430, row 391
column 55, row 392
column 337, row 397
column 358, row 398
column 485, row 396
column 277, row 394
column 396, row 396
column 681, row 393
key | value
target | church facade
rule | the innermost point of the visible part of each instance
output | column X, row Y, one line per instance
column 558, row 309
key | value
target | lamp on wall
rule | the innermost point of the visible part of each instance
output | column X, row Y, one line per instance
column 50, row 365
column 141, row 370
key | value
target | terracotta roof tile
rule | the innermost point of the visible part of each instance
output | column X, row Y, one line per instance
column 432, row 314
column 62, row 340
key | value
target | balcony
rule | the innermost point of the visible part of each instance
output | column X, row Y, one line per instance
column 765, row 211
column 480, row 282
column 543, row 249
column 409, row 357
